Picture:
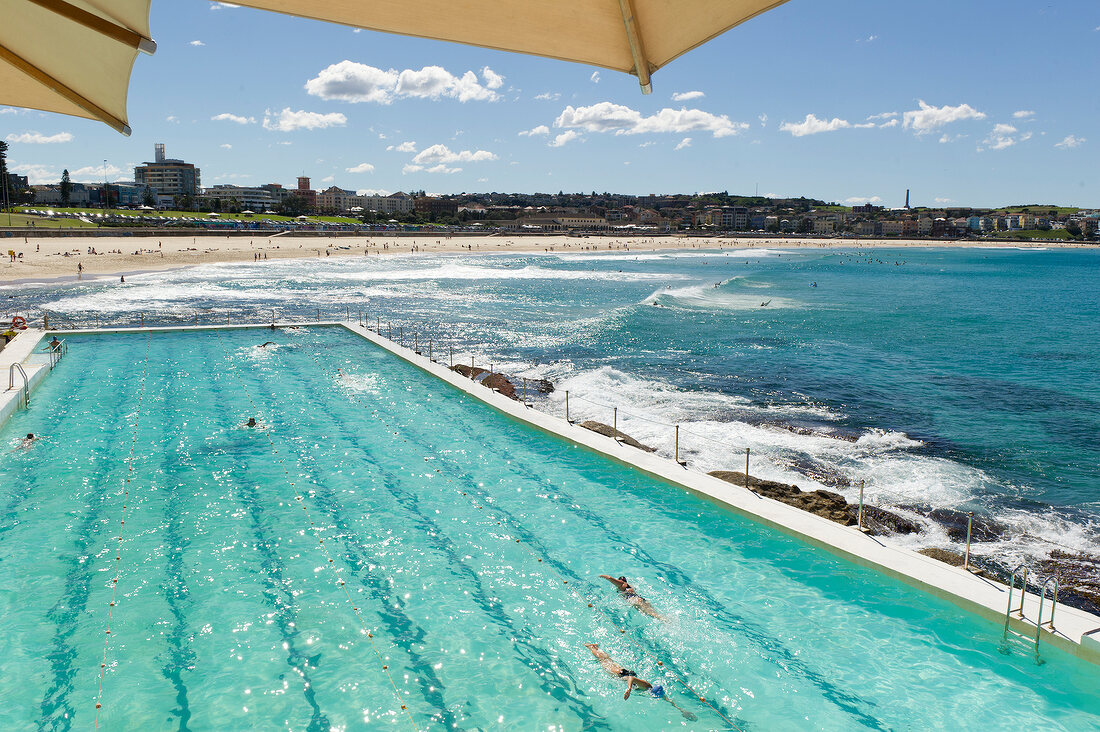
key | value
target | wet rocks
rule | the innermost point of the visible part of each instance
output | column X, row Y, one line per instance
column 1078, row 578
column 470, row 372
column 880, row 521
column 608, row 431
column 542, row 386
column 943, row 555
column 826, row 504
column 954, row 523
column 499, row 382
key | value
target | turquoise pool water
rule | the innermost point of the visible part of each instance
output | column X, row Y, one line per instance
column 229, row 615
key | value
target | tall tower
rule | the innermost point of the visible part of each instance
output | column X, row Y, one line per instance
column 907, row 198
column 303, row 183
column 158, row 150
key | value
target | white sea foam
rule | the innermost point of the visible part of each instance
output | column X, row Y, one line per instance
column 716, row 428
column 452, row 271
column 709, row 297
column 362, row 383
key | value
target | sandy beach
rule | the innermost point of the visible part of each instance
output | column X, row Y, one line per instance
column 65, row 259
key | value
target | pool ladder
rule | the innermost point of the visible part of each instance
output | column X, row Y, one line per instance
column 57, row 350
column 26, row 390
column 1026, row 639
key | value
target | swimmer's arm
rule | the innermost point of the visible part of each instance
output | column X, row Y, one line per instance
column 613, row 580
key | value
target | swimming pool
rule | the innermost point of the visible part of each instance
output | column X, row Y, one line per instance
column 470, row 548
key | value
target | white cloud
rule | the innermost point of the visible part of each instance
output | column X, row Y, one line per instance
column 812, row 126
column 361, row 168
column 884, row 115
column 889, row 123
column 685, row 96
column 230, row 117
column 354, row 82
column 94, row 173
column 622, row 120
column 944, row 200
column 929, row 118
column 547, row 96
column 540, row 130
column 372, row 192
column 1071, row 141
column 649, row 143
column 860, row 200
column 37, row 138
column 686, row 142
column 595, row 78
column 37, row 174
column 410, row 168
column 171, row 118
column 196, row 43
column 1003, row 136
column 1023, row 114
column 219, row 6
column 564, row 138
column 870, row 39
column 288, row 120
column 442, row 154
column 329, row 179
column 405, row 147
column 493, row 80
column 441, row 168
column 763, row 120
column 225, row 146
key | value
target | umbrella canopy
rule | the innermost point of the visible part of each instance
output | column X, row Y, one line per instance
column 72, row 56
column 635, row 36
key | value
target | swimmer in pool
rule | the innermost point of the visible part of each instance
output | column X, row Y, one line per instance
column 269, row 343
column 613, row 668
column 632, row 597
column 27, row 442
column 251, row 422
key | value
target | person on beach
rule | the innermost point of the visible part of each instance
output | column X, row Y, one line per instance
column 610, row 666
column 632, row 597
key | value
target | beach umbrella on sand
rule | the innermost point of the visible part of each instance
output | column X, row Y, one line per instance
column 72, row 56
column 75, row 56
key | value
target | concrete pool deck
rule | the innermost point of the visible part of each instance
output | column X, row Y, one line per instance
column 1075, row 631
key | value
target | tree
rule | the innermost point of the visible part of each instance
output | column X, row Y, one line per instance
column 148, row 198
column 66, row 188
column 1073, row 228
column 4, row 179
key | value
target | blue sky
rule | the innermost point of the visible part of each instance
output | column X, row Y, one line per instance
column 984, row 103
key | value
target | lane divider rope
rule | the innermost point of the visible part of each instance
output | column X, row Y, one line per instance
column 330, row 563
column 121, row 527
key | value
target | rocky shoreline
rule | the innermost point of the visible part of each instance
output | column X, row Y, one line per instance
column 1078, row 573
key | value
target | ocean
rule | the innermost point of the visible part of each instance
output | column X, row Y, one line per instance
column 964, row 379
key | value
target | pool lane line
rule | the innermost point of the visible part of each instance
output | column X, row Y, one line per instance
column 573, row 590
column 320, row 539
column 408, row 501
column 121, row 527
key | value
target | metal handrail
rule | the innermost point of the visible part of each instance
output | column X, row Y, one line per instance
column 1053, row 604
column 26, row 382
column 57, row 350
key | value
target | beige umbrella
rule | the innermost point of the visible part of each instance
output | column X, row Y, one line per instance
column 75, row 56
column 72, row 56
column 635, row 36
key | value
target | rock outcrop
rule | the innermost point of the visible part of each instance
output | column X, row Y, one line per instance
column 943, row 555
column 826, row 504
column 609, row 431
column 501, row 384
column 1078, row 578
column 470, row 372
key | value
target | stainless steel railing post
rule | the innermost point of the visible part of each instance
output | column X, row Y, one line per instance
column 969, row 529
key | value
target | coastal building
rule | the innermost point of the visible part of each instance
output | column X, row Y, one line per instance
column 306, row 193
column 167, row 176
column 430, row 205
column 247, row 198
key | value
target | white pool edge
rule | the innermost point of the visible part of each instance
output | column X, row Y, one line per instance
column 1076, row 631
